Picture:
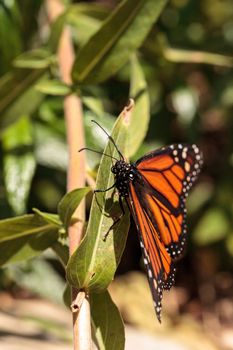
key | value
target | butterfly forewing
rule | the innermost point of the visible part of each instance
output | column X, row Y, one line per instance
column 170, row 173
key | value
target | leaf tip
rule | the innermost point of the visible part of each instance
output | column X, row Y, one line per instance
column 127, row 111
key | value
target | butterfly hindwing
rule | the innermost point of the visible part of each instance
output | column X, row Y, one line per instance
column 157, row 260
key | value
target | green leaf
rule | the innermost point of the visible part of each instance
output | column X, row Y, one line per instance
column 212, row 227
column 50, row 147
column 50, row 218
column 17, row 95
column 11, row 42
column 21, row 226
column 62, row 251
column 26, row 247
column 53, row 87
column 35, row 59
column 93, row 139
column 67, row 296
column 69, row 203
column 92, row 136
column 24, row 237
column 18, row 163
column 85, row 19
column 95, row 105
column 141, row 112
column 201, row 57
column 38, row 276
column 119, row 36
column 107, row 324
column 94, row 263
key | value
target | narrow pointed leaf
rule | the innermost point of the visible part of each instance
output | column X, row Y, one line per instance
column 53, row 87
column 119, row 36
column 203, row 57
column 26, row 225
column 18, row 163
column 25, row 236
column 62, row 251
column 84, row 18
column 26, row 247
column 50, row 218
column 141, row 113
column 94, row 263
column 35, row 59
column 70, row 202
column 107, row 324
column 18, row 96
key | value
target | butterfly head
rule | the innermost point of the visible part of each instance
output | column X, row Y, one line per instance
column 124, row 173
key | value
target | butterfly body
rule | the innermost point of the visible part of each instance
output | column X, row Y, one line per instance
column 124, row 174
column 155, row 188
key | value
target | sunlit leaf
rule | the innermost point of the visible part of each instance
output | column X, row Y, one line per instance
column 95, row 139
column 26, row 247
column 18, row 163
column 107, row 324
column 69, row 204
column 94, row 104
column 50, row 218
column 25, row 236
column 50, row 147
column 18, row 98
column 189, row 56
column 84, row 19
column 35, row 59
column 119, row 36
column 141, row 112
column 53, row 87
column 26, row 225
column 95, row 261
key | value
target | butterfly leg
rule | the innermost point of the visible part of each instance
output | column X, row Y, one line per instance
column 117, row 220
column 102, row 191
column 107, row 189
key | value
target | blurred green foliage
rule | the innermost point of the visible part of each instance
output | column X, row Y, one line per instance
column 184, row 75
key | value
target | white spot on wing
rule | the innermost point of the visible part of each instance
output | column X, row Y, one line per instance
column 187, row 166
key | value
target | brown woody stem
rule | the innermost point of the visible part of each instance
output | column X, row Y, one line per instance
column 75, row 173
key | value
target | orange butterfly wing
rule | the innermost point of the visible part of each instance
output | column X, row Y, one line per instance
column 157, row 201
column 156, row 258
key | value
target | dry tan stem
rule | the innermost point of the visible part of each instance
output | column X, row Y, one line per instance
column 77, row 303
column 76, row 170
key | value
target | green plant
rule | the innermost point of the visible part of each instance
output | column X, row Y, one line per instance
column 107, row 45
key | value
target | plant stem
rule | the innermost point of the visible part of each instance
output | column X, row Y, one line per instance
column 76, row 169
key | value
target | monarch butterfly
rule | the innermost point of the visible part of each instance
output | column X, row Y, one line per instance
column 155, row 188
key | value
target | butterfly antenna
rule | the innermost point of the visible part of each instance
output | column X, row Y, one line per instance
column 110, row 138
column 93, row 150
